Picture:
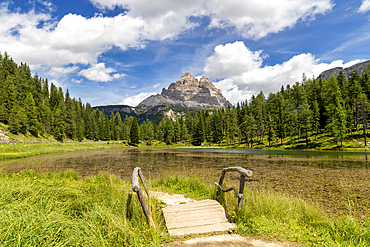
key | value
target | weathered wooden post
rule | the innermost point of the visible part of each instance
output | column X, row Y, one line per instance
column 241, row 192
column 136, row 188
column 243, row 173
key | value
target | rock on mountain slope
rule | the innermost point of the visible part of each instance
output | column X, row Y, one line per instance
column 359, row 68
column 188, row 92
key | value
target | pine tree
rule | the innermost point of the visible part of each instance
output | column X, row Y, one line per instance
column 53, row 96
column 335, row 110
column 270, row 128
column 316, row 116
column 9, row 99
column 208, row 129
column 14, row 121
column 31, row 113
column 252, row 128
column 216, row 126
column 259, row 113
column 177, row 131
column 198, row 135
column 189, row 121
column 281, row 116
column 304, row 114
column 59, row 125
column 364, row 110
column 134, row 132
column 3, row 114
column 354, row 86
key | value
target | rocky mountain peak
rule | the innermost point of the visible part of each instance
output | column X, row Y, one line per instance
column 188, row 91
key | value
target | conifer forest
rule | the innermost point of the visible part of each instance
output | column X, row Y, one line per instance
column 338, row 106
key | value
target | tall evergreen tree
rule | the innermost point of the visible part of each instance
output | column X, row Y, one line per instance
column 335, row 110
column 59, row 125
column 216, row 126
column 134, row 132
column 31, row 112
column 198, row 134
column 364, row 111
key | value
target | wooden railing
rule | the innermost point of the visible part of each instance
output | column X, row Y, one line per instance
column 243, row 173
column 136, row 188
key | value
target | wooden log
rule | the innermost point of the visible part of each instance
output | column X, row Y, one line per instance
column 135, row 179
column 229, row 189
column 145, row 208
column 241, row 192
column 136, row 188
column 243, row 173
column 241, row 170
column 144, row 183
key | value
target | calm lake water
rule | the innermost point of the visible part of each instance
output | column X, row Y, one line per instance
column 339, row 181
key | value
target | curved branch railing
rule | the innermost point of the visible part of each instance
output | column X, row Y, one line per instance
column 136, row 188
column 240, row 194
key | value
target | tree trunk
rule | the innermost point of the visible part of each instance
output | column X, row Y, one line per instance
column 306, row 138
column 364, row 126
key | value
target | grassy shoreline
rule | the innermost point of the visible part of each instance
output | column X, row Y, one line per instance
column 46, row 209
column 18, row 150
column 28, row 145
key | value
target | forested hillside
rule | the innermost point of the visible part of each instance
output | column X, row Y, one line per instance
column 27, row 105
column 337, row 107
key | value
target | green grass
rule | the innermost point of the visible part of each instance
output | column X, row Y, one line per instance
column 62, row 210
column 274, row 216
column 10, row 151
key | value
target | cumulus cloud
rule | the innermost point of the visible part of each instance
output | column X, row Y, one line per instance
column 74, row 39
column 136, row 99
column 99, row 72
column 50, row 44
column 252, row 18
column 57, row 72
column 365, row 6
column 44, row 42
column 247, row 76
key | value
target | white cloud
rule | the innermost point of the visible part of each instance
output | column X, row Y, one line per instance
column 232, row 59
column 99, row 72
column 133, row 86
column 44, row 42
column 247, row 76
column 156, row 85
column 252, row 18
column 74, row 39
column 50, row 44
column 76, row 81
column 136, row 99
column 57, row 72
column 365, row 6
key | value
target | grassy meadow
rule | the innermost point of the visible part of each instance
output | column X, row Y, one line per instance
column 277, row 217
column 61, row 209
column 64, row 209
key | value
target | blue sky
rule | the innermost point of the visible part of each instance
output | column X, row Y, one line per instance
column 122, row 51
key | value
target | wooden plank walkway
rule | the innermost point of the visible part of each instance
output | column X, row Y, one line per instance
column 196, row 217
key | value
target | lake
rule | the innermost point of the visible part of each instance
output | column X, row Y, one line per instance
column 339, row 181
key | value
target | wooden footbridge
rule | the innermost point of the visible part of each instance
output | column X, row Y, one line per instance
column 195, row 217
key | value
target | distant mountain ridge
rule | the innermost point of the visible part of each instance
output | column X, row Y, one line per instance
column 359, row 68
column 186, row 93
